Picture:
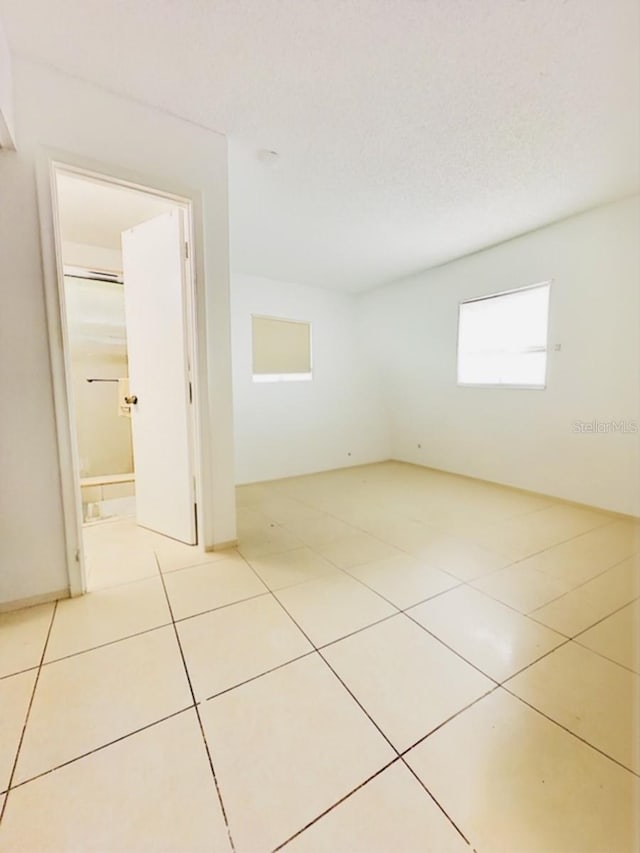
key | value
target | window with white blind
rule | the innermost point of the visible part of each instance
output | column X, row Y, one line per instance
column 502, row 339
column 281, row 349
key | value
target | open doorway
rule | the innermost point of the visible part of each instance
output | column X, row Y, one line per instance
column 127, row 301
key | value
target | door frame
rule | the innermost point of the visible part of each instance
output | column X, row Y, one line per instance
column 49, row 164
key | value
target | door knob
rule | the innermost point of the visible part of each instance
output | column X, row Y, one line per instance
column 132, row 400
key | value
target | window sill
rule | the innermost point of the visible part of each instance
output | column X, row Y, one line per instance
column 282, row 377
column 501, row 385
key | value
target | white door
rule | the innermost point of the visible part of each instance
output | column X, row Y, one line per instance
column 153, row 258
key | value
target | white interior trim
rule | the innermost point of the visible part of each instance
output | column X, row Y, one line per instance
column 49, row 162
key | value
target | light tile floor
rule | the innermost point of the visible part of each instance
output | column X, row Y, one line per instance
column 393, row 660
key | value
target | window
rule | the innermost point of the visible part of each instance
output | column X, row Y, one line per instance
column 502, row 339
column 281, row 349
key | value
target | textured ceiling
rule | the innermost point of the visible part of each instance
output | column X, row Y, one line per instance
column 410, row 131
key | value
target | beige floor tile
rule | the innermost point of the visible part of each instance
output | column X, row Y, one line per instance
column 587, row 604
column 250, row 521
column 333, row 607
column 392, row 812
column 270, row 540
column 320, row 531
column 88, row 700
column 291, row 742
column 514, row 781
column 495, row 638
column 291, row 567
column 123, row 531
column 367, row 518
column 617, row 637
column 463, row 559
column 228, row 646
column 398, row 530
column 403, row 580
column 453, row 514
column 175, row 555
column 252, row 494
column 153, row 792
column 524, row 535
column 114, row 563
column 405, row 679
column 286, row 747
column 23, row 634
column 522, row 587
column 201, row 588
column 15, row 694
column 586, row 556
column 567, row 564
column 594, row 698
column 106, row 615
column 287, row 511
column 356, row 549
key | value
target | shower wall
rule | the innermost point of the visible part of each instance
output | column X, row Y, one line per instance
column 96, row 328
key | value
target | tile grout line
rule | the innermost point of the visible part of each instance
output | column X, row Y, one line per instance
column 26, row 719
column 469, row 584
column 462, row 538
column 357, row 631
column 496, row 682
column 580, row 585
column 363, row 709
column 334, row 805
column 604, row 657
column 569, row 732
column 399, row 612
column 136, row 634
column 455, row 535
column 195, row 706
column 551, row 546
column 461, row 583
column 204, row 563
column 18, row 672
column 534, row 662
column 566, row 642
column 313, row 650
column 182, row 619
column 456, row 653
column 259, row 675
column 453, row 716
column 604, row 618
column 529, row 614
column 565, row 638
column 101, row 747
column 317, row 650
column 383, row 508
column 107, row 643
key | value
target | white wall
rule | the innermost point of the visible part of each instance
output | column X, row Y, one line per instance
column 524, row 438
column 157, row 149
column 91, row 257
column 104, row 437
column 98, row 350
column 7, row 130
column 288, row 428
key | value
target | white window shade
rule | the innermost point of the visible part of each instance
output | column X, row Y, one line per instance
column 281, row 348
column 502, row 339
